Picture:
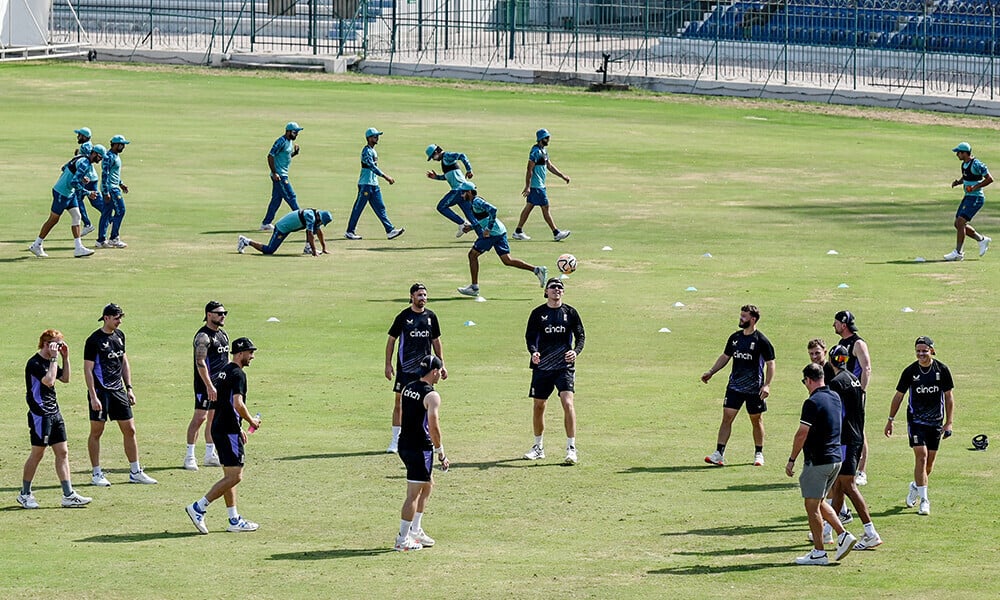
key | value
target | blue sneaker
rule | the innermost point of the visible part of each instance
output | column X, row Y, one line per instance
column 197, row 517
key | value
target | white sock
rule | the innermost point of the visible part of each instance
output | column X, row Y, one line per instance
column 203, row 504
column 818, row 553
column 870, row 529
column 395, row 434
column 922, row 492
column 233, row 513
column 538, row 441
column 134, row 467
column 38, row 241
column 190, row 451
column 78, row 243
column 97, row 470
column 404, row 528
column 570, row 442
column 416, row 521
column 209, row 450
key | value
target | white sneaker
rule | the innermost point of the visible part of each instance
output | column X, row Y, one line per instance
column 405, row 544
column 393, row 448
column 984, row 245
column 115, row 243
column 239, row 524
column 925, row 507
column 266, row 227
column 395, row 233
column 141, row 477
column 27, row 501
column 197, row 517
column 90, row 229
column 954, row 255
column 535, row 453
column 75, row 500
column 350, row 235
column 542, row 273
column 99, row 244
column 758, row 459
column 827, row 534
column 37, row 250
column 241, row 244
column 845, row 516
column 461, row 230
column 420, row 536
column 868, row 542
column 561, row 235
column 911, row 498
column 524, row 237
column 861, row 478
column 81, row 252
column 100, row 480
column 570, row 456
column 190, row 464
column 471, row 290
column 715, row 458
column 211, row 461
column 307, row 249
column 845, row 543
column 813, row 559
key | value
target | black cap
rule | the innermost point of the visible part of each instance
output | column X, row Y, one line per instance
column 242, row 344
column 926, row 341
column 839, row 355
column 429, row 363
column 846, row 318
column 211, row 306
column 554, row 282
column 417, row 286
column 112, row 310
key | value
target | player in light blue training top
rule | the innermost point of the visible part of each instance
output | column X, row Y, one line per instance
column 369, row 191
column 83, row 136
column 534, row 187
column 454, row 176
column 309, row 219
column 278, row 160
column 975, row 176
column 75, row 174
column 112, row 189
column 492, row 236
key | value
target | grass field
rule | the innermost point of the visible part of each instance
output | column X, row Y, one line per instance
column 766, row 188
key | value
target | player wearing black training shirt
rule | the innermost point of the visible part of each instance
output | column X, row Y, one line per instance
column 211, row 353
column 749, row 383
column 419, row 335
column 555, row 337
column 929, row 412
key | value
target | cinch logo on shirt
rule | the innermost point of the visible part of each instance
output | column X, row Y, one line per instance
column 743, row 355
column 555, row 329
column 222, row 350
column 420, row 334
column 113, row 355
column 408, row 393
column 927, row 389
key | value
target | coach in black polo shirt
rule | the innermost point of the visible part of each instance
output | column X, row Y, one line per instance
column 818, row 438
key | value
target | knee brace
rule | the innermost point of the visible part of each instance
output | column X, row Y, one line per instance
column 74, row 213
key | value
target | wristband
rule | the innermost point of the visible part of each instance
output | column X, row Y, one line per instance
column 439, row 450
column 791, row 459
column 892, row 419
column 128, row 386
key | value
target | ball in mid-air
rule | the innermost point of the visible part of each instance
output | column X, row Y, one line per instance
column 566, row 263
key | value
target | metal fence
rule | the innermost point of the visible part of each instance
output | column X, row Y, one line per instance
column 938, row 47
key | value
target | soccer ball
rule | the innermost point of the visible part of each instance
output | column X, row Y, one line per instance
column 566, row 263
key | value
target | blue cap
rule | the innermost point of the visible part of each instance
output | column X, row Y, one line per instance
column 119, row 139
column 325, row 216
column 430, row 151
column 85, row 148
column 100, row 150
column 466, row 186
column 293, row 126
column 541, row 134
column 371, row 131
column 84, row 131
column 963, row 147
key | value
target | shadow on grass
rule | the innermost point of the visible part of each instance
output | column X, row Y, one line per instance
column 746, row 551
column 15, row 259
column 907, row 262
column 713, row 570
column 679, row 468
column 409, row 248
column 792, row 524
column 237, row 232
column 756, row 487
column 329, row 554
column 334, row 455
column 128, row 538
column 507, row 463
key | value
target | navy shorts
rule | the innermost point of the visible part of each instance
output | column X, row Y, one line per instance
column 229, row 447
column 402, row 379
column 494, row 242
column 114, row 406
column 543, row 382
column 201, row 401
column 850, row 457
column 61, row 203
column 46, row 430
column 538, row 197
column 969, row 207
column 735, row 400
column 924, row 435
column 418, row 465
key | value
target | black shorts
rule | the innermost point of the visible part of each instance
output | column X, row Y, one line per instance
column 850, row 457
column 924, row 435
column 419, row 464
column 201, row 401
column 114, row 406
column 735, row 400
column 229, row 447
column 46, row 430
column 402, row 379
column 543, row 382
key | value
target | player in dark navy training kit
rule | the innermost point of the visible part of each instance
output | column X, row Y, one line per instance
column 109, row 389
column 227, row 431
column 859, row 364
column 211, row 353
column 930, row 407
column 750, row 382
column 45, row 421
column 555, row 338
column 419, row 334
column 419, row 441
